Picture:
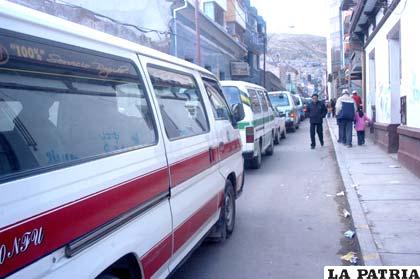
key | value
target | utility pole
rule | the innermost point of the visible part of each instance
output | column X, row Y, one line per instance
column 265, row 52
column 197, row 33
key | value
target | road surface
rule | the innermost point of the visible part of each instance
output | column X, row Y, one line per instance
column 289, row 221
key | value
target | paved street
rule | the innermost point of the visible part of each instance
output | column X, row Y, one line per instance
column 289, row 222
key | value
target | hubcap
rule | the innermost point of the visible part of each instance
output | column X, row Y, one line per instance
column 228, row 209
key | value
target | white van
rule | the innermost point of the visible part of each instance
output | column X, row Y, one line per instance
column 284, row 102
column 114, row 158
column 257, row 128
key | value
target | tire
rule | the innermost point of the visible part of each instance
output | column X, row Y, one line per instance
column 277, row 137
column 107, row 276
column 228, row 213
column 255, row 163
column 224, row 227
column 297, row 127
column 293, row 129
column 283, row 135
column 270, row 150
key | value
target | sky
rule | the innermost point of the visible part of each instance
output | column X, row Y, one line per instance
column 294, row 16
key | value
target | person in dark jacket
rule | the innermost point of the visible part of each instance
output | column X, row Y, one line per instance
column 346, row 111
column 316, row 112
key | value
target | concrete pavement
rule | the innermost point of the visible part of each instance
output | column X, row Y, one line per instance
column 384, row 198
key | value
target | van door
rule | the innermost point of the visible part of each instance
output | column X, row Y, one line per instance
column 270, row 113
column 258, row 118
column 228, row 138
column 266, row 120
column 81, row 157
column 196, row 184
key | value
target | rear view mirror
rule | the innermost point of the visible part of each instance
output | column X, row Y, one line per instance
column 238, row 112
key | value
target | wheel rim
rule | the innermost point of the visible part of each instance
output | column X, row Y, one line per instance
column 228, row 209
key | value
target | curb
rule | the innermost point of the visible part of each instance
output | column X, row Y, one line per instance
column 364, row 235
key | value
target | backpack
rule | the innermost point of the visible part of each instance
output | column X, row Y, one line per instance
column 347, row 111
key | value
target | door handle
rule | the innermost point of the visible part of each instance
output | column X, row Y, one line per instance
column 221, row 146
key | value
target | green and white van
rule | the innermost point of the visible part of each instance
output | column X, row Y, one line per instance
column 257, row 129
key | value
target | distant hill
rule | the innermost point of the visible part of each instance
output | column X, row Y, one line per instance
column 296, row 47
column 307, row 54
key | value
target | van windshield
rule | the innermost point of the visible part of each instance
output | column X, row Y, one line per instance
column 279, row 100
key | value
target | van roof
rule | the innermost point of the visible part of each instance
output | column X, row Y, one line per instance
column 242, row 84
column 22, row 19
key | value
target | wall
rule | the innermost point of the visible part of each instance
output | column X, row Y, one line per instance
column 154, row 15
column 387, row 109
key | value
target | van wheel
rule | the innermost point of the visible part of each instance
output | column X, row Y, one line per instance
column 229, row 209
column 277, row 137
column 283, row 134
column 255, row 162
column 226, row 223
column 270, row 149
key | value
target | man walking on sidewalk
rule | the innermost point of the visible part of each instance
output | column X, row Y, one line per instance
column 346, row 111
column 316, row 112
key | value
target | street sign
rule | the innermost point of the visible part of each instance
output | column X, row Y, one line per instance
column 239, row 69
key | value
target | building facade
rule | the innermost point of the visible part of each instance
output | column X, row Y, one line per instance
column 230, row 40
column 386, row 33
column 334, row 49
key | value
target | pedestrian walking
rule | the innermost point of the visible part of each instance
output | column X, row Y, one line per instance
column 357, row 99
column 316, row 112
column 333, row 102
column 329, row 110
column 346, row 111
column 360, row 125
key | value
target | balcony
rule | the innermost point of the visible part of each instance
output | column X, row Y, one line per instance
column 347, row 4
column 356, row 65
column 236, row 13
column 221, row 3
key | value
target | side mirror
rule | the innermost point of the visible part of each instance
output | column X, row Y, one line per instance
column 282, row 114
column 238, row 112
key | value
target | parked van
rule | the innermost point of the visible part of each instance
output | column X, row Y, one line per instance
column 257, row 128
column 284, row 102
column 279, row 126
column 115, row 159
column 299, row 107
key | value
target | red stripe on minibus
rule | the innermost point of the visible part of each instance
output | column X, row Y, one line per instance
column 22, row 244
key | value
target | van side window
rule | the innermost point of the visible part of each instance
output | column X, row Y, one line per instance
column 255, row 103
column 63, row 105
column 264, row 104
column 297, row 101
column 220, row 108
column 180, row 103
column 267, row 98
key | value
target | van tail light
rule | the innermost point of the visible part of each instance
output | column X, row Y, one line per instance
column 292, row 115
column 249, row 134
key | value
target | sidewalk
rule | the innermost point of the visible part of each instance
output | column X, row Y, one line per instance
column 384, row 200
